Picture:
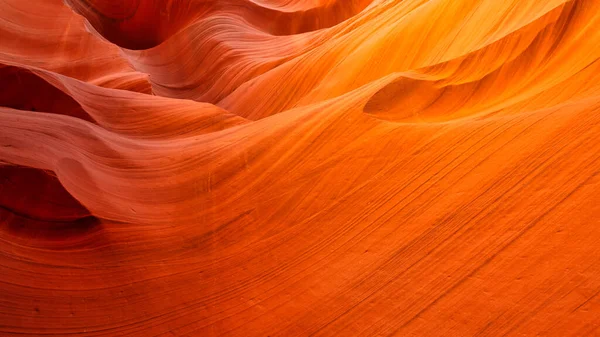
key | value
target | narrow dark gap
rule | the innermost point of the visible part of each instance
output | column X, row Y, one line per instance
column 33, row 201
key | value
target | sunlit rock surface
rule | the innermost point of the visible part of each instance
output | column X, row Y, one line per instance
column 299, row 168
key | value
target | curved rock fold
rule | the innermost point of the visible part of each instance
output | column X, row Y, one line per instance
column 299, row 168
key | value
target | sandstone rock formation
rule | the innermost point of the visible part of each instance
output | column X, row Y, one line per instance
column 299, row 168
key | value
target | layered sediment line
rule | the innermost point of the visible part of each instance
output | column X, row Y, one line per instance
column 299, row 168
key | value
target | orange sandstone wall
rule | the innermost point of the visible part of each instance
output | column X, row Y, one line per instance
column 299, row 168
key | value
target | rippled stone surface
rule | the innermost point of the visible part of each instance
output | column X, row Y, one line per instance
column 299, row 167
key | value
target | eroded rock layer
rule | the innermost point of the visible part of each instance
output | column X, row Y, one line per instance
column 299, row 168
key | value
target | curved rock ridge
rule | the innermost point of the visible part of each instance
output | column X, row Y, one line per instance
column 143, row 24
column 299, row 168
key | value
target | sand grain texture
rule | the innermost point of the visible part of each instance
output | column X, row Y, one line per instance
column 299, row 168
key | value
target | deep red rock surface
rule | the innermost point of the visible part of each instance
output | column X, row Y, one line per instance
column 299, row 168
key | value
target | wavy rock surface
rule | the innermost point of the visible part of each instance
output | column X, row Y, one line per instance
column 299, row 168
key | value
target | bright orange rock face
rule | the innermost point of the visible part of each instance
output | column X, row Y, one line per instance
column 300, row 168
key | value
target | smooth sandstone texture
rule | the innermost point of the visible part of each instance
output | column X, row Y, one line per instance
column 300, row 168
